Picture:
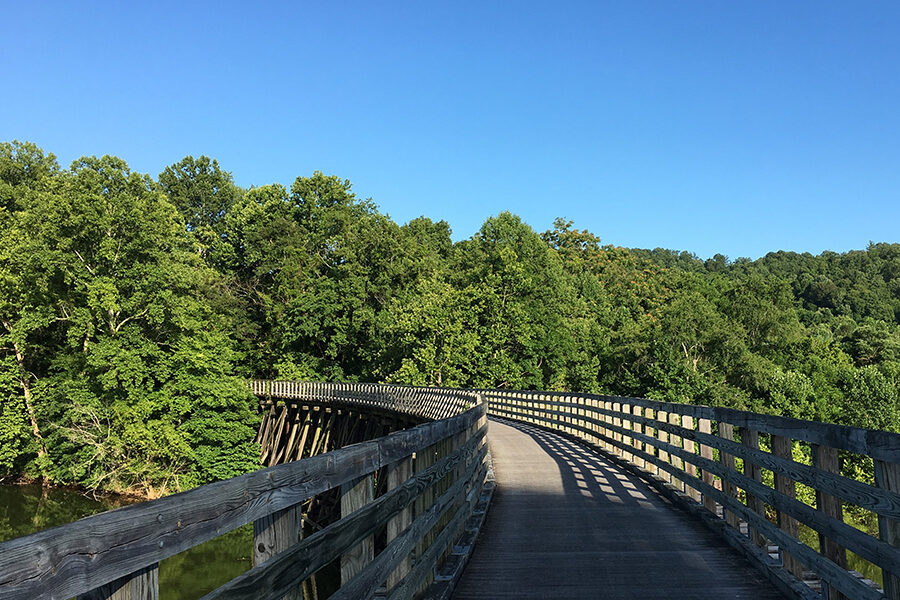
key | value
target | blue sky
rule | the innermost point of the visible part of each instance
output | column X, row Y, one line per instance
column 732, row 127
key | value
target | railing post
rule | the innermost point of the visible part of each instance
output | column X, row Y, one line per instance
column 627, row 424
column 687, row 421
column 705, row 426
column 782, row 446
column 638, row 428
column 354, row 496
column 275, row 533
column 663, row 417
column 887, row 477
column 826, row 459
column 581, row 412
column 726, row 431
column 142, row 585
column 675, row 440
column 397, row 474
column 423, row 460
column 750, row 439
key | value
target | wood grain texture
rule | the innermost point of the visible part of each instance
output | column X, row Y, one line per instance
column 687, row 422
column 826, row 459
column 882, row 445
column 827, row 570
column 887, row 476
column 866, row 546
column 289, row 568
column 355, row 496
column 72, row 559
column 783, row 447
column 143, row 585
column 705, row 428
column 881, row 501
column 397, row 474
column 750, row 439
column 567, row 523
column 367, row 581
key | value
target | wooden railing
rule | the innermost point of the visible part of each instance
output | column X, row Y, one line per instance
column 422, row 402
column 694, row 451
column 435, row 474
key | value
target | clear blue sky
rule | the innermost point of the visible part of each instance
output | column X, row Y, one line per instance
column 733, row 127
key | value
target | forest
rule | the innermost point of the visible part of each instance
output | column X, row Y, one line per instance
column 133, row 310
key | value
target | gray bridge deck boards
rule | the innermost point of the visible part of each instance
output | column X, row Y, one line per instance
column 566, row 523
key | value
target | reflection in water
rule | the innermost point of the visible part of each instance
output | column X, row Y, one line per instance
column 27, row 509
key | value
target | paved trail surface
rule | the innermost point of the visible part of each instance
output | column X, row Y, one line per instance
column 566, row 523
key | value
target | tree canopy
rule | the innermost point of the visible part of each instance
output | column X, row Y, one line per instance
column 133, row 310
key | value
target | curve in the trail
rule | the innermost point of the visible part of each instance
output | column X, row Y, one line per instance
column 565, row 522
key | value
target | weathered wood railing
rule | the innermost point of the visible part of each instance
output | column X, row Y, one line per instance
column 693, row 451
column 435, row 474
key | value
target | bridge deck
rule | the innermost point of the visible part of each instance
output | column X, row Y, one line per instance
column 566, row 523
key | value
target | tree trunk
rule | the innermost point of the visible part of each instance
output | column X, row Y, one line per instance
column 25, row 382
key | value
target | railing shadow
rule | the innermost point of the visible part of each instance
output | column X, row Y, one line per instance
column 587, row 473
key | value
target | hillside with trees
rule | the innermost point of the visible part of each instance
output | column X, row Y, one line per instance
column 133, row 309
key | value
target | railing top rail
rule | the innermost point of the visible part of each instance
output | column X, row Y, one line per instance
column 75, row 558
column 424, row 402
column 881, row 445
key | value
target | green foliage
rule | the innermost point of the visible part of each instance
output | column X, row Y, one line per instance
column 133, row 384
column 133, row 310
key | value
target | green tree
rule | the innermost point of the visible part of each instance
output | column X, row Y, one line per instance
column 123, row 285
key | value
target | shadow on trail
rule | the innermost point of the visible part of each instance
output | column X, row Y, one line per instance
column 590, row 474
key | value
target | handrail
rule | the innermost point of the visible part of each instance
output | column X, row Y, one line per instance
column 422, row 402
column 677, row 443
column 116, row 552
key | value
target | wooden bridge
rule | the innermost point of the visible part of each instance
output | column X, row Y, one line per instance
column 596, row 497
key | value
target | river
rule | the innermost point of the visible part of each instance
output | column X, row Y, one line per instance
column 27, row 509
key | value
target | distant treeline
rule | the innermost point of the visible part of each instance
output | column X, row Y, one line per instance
column 133, row 309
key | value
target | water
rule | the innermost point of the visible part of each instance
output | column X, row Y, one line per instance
column 26, row 509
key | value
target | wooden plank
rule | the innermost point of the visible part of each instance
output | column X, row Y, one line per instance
column 367, row 582
column 826, row 569
column 866, row 546
column 882, row 445
column 877, row 444
column 782, row 446
column 71, row 559
column 274, row 534
column 726, row 431
column 750, row 439
column 687, row 422
column 826, row 459
column 302, row 560
column 887, row 476
column 705, row 426
column 398, row 473
column 626, row 424
column 422, row 571
column 639, row 428
column 355, row 496
column 599, row 549
column 423, row 461
column 663, row 436
column 675, row 440
column 143, row 585
column 883, row 502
